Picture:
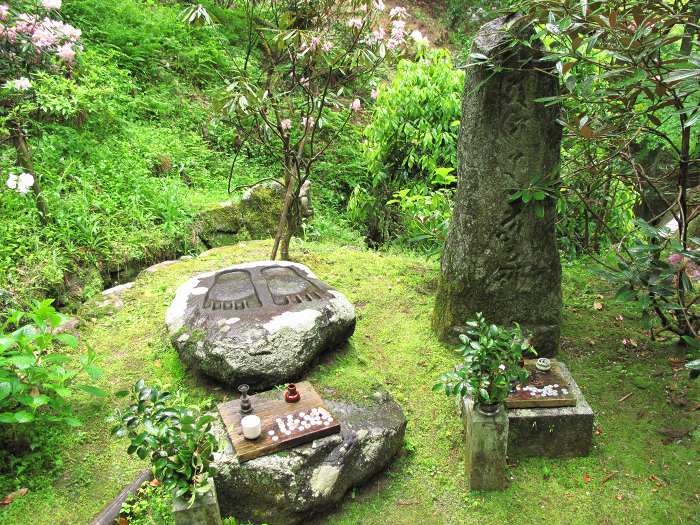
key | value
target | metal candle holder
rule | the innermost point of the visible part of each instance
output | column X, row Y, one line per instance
column 246, row 406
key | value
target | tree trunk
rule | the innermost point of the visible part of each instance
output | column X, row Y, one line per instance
column 24, row 159
column 291, row 188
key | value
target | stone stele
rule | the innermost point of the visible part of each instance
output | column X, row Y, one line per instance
column 289, row 487
column 260, row 323
column 500, row 258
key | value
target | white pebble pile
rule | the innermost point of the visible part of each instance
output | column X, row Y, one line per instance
column 301, row 422
column 545, row 391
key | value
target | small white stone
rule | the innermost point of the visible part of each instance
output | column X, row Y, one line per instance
column 287, row 433
column 270, row 432
column 326, row 423
column 275, row 438
column 302, row 414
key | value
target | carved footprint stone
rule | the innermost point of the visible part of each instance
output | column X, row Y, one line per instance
column 259, row 323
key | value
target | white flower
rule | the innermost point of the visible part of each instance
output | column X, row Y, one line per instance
column 502, row 367
column 356, row 105
column 11, row 181
column 4, row 11
column 418, row 38
column 51, row 4
column 25, row 181
column 21, row 84
column 379, row 5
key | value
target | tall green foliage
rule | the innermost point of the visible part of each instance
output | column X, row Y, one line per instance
column 413, row 133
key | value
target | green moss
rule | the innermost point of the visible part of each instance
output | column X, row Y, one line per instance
column 394, row 347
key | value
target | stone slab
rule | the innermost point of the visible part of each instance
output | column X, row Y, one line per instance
column 561, row 432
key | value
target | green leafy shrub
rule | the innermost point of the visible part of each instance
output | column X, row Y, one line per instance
column 413, row 132
column 37, row 380
column 490, row 362
column 175, row 438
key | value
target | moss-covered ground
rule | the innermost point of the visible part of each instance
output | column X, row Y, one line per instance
column 630, row 477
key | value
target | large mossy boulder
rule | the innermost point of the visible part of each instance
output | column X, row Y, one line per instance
column 289, row 487
column 254, row 216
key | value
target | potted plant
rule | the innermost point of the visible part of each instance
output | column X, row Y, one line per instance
column 178, row 441
column 491, row 357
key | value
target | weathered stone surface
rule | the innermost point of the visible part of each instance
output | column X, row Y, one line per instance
column 203, row 511
column 255, row 216
column 563, row 432
column 500, row 258
column 289, row 487
column 485, row 448
column 259, row 323
column 108, row 303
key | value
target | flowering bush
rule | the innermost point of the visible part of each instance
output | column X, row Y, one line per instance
column 318, row 57
column 491, row 361
column 32, row 40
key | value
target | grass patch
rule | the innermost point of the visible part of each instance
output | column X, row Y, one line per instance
column 394, row 347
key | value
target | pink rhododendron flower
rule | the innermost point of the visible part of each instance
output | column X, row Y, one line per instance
column 66, row 53
column 374, row 94
column 379, row 5
column 315, row 41
column 693, row 271
column 307, row 122
column 356, row 105
column 51, row 4
column 43, row 37
column 4, row 11
column 398, row 12
column 286, row 124
column 355, row 23
column 398, row 29
column 675, row 258
column 327, row 46
column 379, row 33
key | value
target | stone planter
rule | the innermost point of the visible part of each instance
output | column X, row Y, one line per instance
column 204, row 510
column 485, row 447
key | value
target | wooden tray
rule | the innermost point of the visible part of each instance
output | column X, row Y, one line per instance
column 270, row 406
column 523, row 399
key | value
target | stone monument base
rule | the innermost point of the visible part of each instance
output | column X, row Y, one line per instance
column 563, row 432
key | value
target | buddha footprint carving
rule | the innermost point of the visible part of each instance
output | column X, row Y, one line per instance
column 232, row 290
column 288, row 287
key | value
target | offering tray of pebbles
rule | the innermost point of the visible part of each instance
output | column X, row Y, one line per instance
column 543, row 389
column 284, row 425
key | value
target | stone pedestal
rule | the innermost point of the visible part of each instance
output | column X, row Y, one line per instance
column 204, row 510
column 562, row 432
column 485, row 447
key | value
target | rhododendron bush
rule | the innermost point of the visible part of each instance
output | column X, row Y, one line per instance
column 33, row 39
column 319, row 56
